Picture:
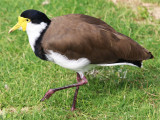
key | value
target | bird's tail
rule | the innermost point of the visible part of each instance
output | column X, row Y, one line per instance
column 150, row 55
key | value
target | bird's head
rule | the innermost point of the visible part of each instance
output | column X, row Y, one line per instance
column 32, row 17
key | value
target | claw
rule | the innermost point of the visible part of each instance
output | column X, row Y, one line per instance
column 73, row 109
column 48, row 94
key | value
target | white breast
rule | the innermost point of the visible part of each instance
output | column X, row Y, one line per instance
column 80, row 65
column 34, row 32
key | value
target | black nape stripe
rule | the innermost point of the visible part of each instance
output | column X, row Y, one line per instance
column 39, row 52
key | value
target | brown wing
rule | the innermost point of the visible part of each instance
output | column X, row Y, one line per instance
column 78, row 36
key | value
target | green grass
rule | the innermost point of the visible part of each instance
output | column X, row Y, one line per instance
column 152, row 1
column 24, row 78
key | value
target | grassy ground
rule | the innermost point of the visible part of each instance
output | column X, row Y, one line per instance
column 121, row 92
column 152, row 1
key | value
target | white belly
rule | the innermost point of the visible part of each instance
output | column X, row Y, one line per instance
column 80, row 65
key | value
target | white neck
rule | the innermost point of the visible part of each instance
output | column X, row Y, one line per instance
column 34, row 31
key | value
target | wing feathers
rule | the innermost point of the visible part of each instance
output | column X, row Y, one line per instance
column 80, row 36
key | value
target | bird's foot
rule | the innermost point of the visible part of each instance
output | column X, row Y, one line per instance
column 73, row 108
column 48, row 94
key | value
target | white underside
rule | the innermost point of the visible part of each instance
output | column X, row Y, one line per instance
column 81, row 65
column 114, row 64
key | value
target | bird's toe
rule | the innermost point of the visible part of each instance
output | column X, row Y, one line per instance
column 48, row 94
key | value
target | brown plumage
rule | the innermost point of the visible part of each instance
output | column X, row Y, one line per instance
column 85, row 36
column 77, row 42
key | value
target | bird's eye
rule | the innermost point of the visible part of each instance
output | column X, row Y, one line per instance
column 27, row 20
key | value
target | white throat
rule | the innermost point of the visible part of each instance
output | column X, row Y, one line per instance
column 34, row 31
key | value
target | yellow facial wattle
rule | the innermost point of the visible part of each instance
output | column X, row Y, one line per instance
column 22, row 22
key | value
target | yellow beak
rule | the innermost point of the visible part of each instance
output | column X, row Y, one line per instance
column 22, row 22
column 14, row 28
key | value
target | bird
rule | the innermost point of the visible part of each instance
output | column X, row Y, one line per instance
column 78, row 42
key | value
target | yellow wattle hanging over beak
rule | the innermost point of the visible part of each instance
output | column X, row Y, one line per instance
column 22, row 22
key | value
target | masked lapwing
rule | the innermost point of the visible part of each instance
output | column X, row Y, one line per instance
column 78, row 42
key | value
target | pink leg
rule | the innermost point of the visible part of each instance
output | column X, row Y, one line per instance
column 52, row 91
column 76, row 93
